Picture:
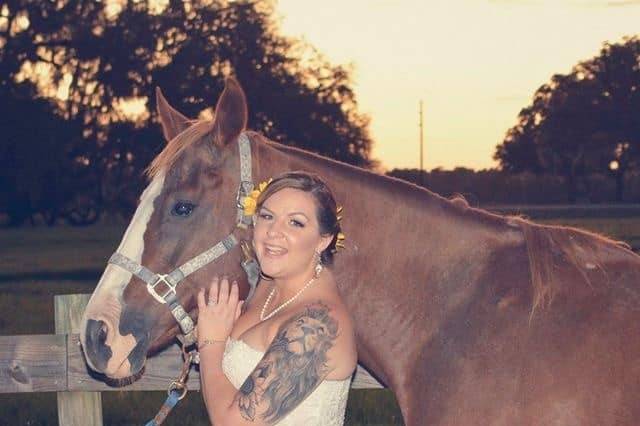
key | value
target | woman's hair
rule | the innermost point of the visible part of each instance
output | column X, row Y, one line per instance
column 326, row 208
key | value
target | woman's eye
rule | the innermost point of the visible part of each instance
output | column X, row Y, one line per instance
column 297, row 223
column 264, row 216
column 182, row 208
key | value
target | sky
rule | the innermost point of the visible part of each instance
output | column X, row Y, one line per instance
column 474, row 63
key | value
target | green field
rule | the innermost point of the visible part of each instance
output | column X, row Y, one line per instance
column 37, row 263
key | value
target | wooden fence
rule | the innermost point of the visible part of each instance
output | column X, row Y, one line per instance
column 54, row 363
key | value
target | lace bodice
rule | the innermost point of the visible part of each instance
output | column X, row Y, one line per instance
column 325, row 406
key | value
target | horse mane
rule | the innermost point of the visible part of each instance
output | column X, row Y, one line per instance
column 368, row 176
column 552, row 249
column 459, row 200
column 171, row 152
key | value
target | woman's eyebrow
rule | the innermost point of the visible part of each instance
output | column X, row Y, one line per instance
column 300, row 213
column 290, row 214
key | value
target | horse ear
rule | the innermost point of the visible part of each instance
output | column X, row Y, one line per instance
column 231, row 113
column 173, row 122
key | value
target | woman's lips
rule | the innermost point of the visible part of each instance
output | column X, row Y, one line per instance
column 274, row 251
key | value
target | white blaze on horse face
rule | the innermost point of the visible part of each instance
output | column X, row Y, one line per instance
column 106, row 301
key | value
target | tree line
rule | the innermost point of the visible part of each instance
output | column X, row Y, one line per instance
column 577, row 141
column 582, row 124
column 78, row 122
column 482, row 188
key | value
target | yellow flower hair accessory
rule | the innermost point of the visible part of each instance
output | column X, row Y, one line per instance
column 250, row 202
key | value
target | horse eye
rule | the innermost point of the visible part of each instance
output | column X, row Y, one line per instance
column 182, row 208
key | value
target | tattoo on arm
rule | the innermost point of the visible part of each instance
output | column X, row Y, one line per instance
column 292, row 367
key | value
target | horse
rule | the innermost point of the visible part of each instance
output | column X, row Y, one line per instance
column 467, row 316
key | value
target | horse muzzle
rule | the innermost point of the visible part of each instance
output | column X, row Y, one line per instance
column 120, row 351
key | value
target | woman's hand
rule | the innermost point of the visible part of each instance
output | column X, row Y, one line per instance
column 219, row 311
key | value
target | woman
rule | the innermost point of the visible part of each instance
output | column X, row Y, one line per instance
column 288, row 358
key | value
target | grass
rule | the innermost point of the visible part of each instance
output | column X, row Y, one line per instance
column 38, row 263
column 625, row 228
column 365, row 407
column 26, row 252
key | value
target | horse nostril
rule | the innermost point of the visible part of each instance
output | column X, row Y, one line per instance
column 102, row 333
column 96, row 349
column 97, row 331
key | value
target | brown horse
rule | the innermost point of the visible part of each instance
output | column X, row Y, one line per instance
column 469, row 317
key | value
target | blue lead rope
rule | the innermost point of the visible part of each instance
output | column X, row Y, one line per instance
column 171, row 401
column 177, row 388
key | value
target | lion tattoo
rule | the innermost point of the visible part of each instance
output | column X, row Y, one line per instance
column 292, row 367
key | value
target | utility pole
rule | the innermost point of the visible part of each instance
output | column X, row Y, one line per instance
column 421, row 147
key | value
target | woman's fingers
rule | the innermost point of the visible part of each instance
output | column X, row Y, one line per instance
column 201, row 301
column 233, row 294
column 213, row 291
column 239, row 310
column 223, row 294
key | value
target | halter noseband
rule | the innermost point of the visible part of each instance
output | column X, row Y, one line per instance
column 175, row 277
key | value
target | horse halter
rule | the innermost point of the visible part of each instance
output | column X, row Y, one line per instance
column 175, row 277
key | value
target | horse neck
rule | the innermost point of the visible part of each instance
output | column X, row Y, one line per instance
column 384, row 210
column 402, row 243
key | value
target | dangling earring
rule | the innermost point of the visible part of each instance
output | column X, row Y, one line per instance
column 318, row 268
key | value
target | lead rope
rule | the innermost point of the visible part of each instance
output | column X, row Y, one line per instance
column 177, row 389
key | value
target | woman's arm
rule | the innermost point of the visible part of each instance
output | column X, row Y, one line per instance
column 295, row 363
column 217, row 391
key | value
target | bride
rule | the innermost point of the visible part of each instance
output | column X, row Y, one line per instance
column 288, row 358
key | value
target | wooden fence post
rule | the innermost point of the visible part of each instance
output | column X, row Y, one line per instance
column 75, row 408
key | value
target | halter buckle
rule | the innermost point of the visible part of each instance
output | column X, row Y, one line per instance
column 151, row 288
column 244, row 189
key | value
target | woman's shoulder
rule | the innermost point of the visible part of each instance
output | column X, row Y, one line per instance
column 324, row 308
column 329, row 313
column 325, row 325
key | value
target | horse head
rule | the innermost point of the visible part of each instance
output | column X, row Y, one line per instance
column 189, row 206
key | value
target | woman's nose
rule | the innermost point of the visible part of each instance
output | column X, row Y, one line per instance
column 275, row 229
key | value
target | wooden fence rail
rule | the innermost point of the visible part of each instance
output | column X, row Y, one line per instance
column 54, row 363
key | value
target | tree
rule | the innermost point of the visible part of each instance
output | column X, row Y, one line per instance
column 518, row 153
column 618, row 69
column 95, row 63
column 581, row 123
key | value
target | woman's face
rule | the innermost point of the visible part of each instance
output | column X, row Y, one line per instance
column 287, row 234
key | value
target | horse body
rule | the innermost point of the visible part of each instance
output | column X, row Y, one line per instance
column 474, row 318
column 469, row 317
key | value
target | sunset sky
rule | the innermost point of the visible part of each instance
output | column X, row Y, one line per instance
column 475, row 63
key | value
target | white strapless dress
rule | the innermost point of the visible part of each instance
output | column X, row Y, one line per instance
column 325, row 406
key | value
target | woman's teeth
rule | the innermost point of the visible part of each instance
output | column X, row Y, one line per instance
column 275, row 251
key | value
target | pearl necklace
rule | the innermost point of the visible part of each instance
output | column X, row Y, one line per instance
column 281, row 307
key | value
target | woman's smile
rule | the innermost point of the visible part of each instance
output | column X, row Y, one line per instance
column 274, row 251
